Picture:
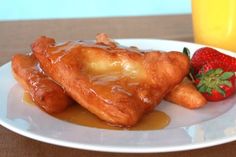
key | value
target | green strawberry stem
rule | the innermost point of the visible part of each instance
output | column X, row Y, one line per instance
column 214, row 79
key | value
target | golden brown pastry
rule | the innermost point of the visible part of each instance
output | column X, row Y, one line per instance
column 117, row 84
column 185, row 94
column 44, row 92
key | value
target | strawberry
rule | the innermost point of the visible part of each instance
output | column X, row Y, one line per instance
column 215, row 83
column 206, row 54
column 213, row 64
column 213, row 73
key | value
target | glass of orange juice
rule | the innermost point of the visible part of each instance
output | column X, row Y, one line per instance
column 214, row 23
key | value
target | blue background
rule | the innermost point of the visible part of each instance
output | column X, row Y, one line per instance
column 48, row 9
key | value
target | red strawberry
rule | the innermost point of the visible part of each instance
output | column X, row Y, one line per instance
column 214, row 64
column 214, row 83
column 206, row 54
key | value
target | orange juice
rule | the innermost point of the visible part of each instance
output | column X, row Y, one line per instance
column 214, row 23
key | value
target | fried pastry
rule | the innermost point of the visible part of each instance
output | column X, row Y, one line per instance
column 44, row 92
column 117, row 84
column 185, row 94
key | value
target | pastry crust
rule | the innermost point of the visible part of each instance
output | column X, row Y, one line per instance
column 44, row 91
column 117, row 84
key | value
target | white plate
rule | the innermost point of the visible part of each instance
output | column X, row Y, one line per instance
column 189, row 129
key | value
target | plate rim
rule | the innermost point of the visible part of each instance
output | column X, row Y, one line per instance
column 115, row 149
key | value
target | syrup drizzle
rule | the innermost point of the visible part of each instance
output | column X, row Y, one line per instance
column 75, row 114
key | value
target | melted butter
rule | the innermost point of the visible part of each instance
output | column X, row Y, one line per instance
column 76, row 114
column 129, row 68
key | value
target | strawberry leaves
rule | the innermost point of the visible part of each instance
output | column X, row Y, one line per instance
column 186, row 51
column 226, row 75
column 214, row 79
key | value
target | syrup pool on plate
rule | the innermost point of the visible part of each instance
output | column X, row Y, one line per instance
column 78, row 115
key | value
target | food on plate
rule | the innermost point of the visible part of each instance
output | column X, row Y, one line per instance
column 214, row 73
column 206, row 54
column 120, row 84
column 186, row 95
column 117, row 84
column 215, row 84
column 43, row 91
